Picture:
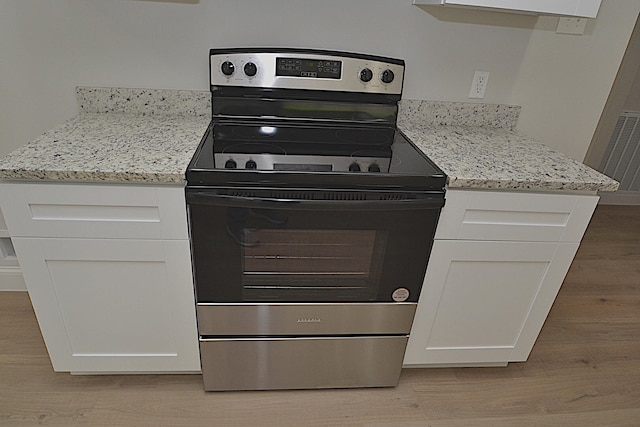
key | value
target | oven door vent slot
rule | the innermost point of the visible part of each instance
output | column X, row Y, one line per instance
column 395, row 196
column 240, row 193
column 316, row 195
column 345, row 196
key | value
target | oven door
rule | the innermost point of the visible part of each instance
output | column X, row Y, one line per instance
column 309, row 246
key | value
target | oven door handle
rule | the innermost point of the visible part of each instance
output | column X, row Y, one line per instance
column 213, row 199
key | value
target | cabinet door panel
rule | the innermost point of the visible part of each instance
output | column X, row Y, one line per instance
column 476, row 314
column 110, row 306
column 94, row 211
column 505, row 216
column 485, row 301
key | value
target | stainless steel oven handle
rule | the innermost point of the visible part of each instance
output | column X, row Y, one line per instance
column 213, row 199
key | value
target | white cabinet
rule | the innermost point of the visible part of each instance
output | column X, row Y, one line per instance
column 485, row 302
column 581, row 8
column 497, row 264
column 108, row 271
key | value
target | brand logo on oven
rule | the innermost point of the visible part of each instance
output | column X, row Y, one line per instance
column 309, row 320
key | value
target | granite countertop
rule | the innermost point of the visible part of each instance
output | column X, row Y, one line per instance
column 477, row 147
column 491, row 158
column 120, row 135
column 149, row 136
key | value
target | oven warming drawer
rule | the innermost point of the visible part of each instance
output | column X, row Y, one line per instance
column 247, row 346
column 301, row 363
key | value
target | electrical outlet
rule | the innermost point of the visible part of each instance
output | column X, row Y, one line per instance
column 479, row 84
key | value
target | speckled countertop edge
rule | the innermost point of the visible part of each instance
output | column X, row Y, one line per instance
column 121, row 135
column 110, row 147
column 496, row 158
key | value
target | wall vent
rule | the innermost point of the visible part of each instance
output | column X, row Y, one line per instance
column 621, row 160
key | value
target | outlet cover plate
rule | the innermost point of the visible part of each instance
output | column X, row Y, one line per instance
column 479, row 84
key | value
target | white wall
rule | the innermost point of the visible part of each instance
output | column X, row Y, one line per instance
column 626, row 87
column 633, row 97
column 564, row 80
column 49, row 47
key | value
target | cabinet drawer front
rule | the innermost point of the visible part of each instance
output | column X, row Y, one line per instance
column 504, row 216
column 96, row 211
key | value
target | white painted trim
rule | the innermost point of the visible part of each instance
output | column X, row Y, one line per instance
column 11, row 279
column 620, row 198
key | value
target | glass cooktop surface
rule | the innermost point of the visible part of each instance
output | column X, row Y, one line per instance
column 304, row 153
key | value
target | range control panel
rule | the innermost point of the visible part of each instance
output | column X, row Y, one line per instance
column 306, row 69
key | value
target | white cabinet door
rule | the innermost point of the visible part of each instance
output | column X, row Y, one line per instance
column 485, row 302
column 585, row 8
column 110, row 305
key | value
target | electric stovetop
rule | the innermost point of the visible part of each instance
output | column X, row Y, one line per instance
column 311, row 156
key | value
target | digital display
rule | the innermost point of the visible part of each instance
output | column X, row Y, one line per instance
column 310, row 68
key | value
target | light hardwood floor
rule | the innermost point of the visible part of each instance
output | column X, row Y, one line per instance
column 584, row 369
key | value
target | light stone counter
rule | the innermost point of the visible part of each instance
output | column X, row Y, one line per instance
column 120, row 135
column 476, row 146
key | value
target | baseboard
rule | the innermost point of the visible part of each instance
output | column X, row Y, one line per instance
column 619, row 198
column 11, row 279
column 457, row 365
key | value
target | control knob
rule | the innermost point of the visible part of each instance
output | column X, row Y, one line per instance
column 366, row 75
column 354, row 167
column 230, row 164
column 387, row 76
column 373, row 167
column 251, row 164
column 250, row 69
column 227, row 68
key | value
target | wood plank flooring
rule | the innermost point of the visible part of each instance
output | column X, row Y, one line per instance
column 584, row 369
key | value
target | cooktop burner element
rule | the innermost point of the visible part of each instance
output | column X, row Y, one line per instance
column 365, row 136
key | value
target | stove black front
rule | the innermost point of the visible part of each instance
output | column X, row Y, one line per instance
column 257, row 245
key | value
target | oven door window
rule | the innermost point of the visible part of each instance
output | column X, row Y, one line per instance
column 308, row 263
column 246, row 254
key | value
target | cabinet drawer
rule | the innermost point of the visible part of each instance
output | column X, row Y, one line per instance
column 94, row 211
column 508, row 216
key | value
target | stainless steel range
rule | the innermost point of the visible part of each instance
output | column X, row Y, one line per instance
column 311, row 221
